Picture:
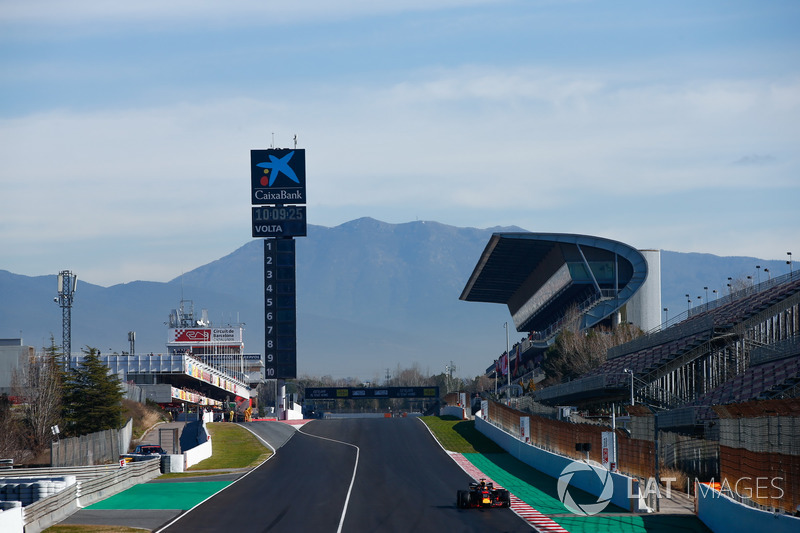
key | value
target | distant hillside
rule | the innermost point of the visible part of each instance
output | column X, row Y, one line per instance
column 371, row 295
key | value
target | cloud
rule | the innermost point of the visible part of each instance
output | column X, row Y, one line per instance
column 238, row 12
column 474, row 143
column 755, row 160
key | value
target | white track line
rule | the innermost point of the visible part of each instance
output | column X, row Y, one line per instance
column 352, row 480
column 274, row 452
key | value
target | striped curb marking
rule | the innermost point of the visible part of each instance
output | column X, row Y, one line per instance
column 539, row 521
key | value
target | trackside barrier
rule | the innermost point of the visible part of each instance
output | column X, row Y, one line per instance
column 625, row 494
column 201, row 451
column 94, row 483
column 51, row 510
column 453, row 410
column 11, row 517
column 131, row 474
column 722, row 514
column 294, row 412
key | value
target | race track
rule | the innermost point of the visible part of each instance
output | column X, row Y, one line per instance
column 403, row 482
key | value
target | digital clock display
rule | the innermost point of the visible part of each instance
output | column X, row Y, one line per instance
column 279, row 221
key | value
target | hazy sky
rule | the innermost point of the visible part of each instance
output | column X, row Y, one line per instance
column 125, row 128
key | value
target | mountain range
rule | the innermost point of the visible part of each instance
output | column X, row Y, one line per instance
column 371, row 296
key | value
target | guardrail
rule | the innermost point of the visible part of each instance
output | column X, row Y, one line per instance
column 80, row 472
column 772, row 352
column 94, row 484
column 131, row 474
column 40, row 515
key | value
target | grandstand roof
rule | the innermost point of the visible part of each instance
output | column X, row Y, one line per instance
column 540, row 275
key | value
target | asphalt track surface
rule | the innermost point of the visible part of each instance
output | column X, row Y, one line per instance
column 400, row 477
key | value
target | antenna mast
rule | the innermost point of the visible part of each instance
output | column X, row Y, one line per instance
column 67, row 283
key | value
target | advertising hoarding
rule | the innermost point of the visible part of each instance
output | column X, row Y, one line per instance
column 278, row 176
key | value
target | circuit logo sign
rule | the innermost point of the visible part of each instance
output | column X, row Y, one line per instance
column 191, row 335
column 584, row 509
column 278, row 176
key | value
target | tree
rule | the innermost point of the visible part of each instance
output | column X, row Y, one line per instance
column 92, row 398
column 12, row 433
column 38, row 382
column 575, row 352
column 481, row 383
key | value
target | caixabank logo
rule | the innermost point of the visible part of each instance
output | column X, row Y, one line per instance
column 278, row 176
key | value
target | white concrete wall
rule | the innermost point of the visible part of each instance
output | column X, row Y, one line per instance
column 199, row 452
column 721, row 514
column 11, row 517
column 453, row 410
column 295, row 412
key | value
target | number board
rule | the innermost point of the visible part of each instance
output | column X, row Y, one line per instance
column 280, row 221
column 280, row 309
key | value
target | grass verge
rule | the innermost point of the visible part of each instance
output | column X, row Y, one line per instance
column 234, row 447
column 460, row 436
column 144, row 416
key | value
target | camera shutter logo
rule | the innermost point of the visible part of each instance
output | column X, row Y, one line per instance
column 587, row 509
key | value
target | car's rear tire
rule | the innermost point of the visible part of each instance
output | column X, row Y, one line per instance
column 460, row 499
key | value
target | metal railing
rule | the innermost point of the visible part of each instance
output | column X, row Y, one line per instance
column 773, row 352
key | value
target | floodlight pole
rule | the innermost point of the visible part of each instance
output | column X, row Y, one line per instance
column 508, row 366
column 629, row 371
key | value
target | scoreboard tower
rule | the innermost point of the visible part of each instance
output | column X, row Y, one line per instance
column 278, row 195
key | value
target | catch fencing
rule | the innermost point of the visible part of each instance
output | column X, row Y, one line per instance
column 696, row 457
column 760, row 452
column 634, row 457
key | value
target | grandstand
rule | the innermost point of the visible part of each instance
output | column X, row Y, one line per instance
column 716, row 389
column 542, row 277
column 743, row 348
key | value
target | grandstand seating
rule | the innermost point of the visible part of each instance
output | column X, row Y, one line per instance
column 743, row 308
column 648, row 354
column 755, row 383
column 649, row 359
column 644, row 361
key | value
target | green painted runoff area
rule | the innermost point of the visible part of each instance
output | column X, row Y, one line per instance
column 540, row 492
column 162, row 495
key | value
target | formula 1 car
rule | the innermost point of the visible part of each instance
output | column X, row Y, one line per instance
column 483, row 494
